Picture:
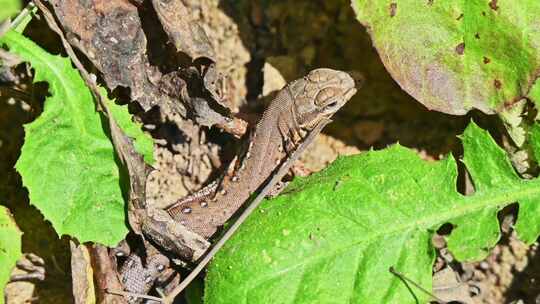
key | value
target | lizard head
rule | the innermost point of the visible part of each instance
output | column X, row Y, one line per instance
column 320, row 94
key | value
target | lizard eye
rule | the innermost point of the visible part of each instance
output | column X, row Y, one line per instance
column 332, row 105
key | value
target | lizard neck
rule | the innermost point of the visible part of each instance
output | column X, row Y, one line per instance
column 266, row 150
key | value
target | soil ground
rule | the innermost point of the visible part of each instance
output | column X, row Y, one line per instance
column 292, row 41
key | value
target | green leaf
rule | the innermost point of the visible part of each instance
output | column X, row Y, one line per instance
column 10, row 247
column 67, row 161
column 194, row 293
column 512, row 119
column 528, row 225
column 143, row 143
column 534, row 94
column 9, row 8
column 331, row 237
column 534, row 141
column 453, row 56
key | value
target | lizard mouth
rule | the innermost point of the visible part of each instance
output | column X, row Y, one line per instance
column 349, row 93
column 358, row 78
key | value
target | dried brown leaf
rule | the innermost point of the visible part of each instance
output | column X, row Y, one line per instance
column 111, row 36
column 185, row 32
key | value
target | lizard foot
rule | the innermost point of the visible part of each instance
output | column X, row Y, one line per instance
column 34, row 267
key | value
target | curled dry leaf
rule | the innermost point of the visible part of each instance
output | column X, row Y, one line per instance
column 111, row 36
column 205, row 110
column 189, row 37
column 186, row 34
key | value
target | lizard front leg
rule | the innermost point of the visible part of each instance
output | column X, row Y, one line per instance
column 288, row 133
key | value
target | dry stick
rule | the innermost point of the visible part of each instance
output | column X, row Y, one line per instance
column 27, row 10
column 131, row 294
column 285, row 166
column 7, row 25
column 403, row 277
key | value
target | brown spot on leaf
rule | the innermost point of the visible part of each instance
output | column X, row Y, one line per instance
column 459, row 17
column 493, row 5
column 486, row 60
column 430, row 2
column 477, row 36
column 497, row 84
column 460, row 48
column 483, row 13
column 393, row 8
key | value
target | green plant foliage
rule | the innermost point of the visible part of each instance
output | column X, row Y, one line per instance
column 9, row 8
column 331, row 237
column 453, row 56
column 529, row 209
column 67, row 161
column 143, row 144
column 534, row 94
column 10, row 247
column 534, row 141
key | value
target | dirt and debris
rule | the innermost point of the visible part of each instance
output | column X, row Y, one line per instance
column 324, row 151
column 510, row 273
column 256, row 48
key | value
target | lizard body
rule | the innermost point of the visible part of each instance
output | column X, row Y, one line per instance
column 295, row 111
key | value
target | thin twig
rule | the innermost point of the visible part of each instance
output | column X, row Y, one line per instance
column 6, row 26
column 283, row 169
column 131, row 294
column 403, row 277
column 56, row 265
column 27, row 10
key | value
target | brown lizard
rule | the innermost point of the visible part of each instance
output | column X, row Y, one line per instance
column 294, row 112
column 290, row 123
